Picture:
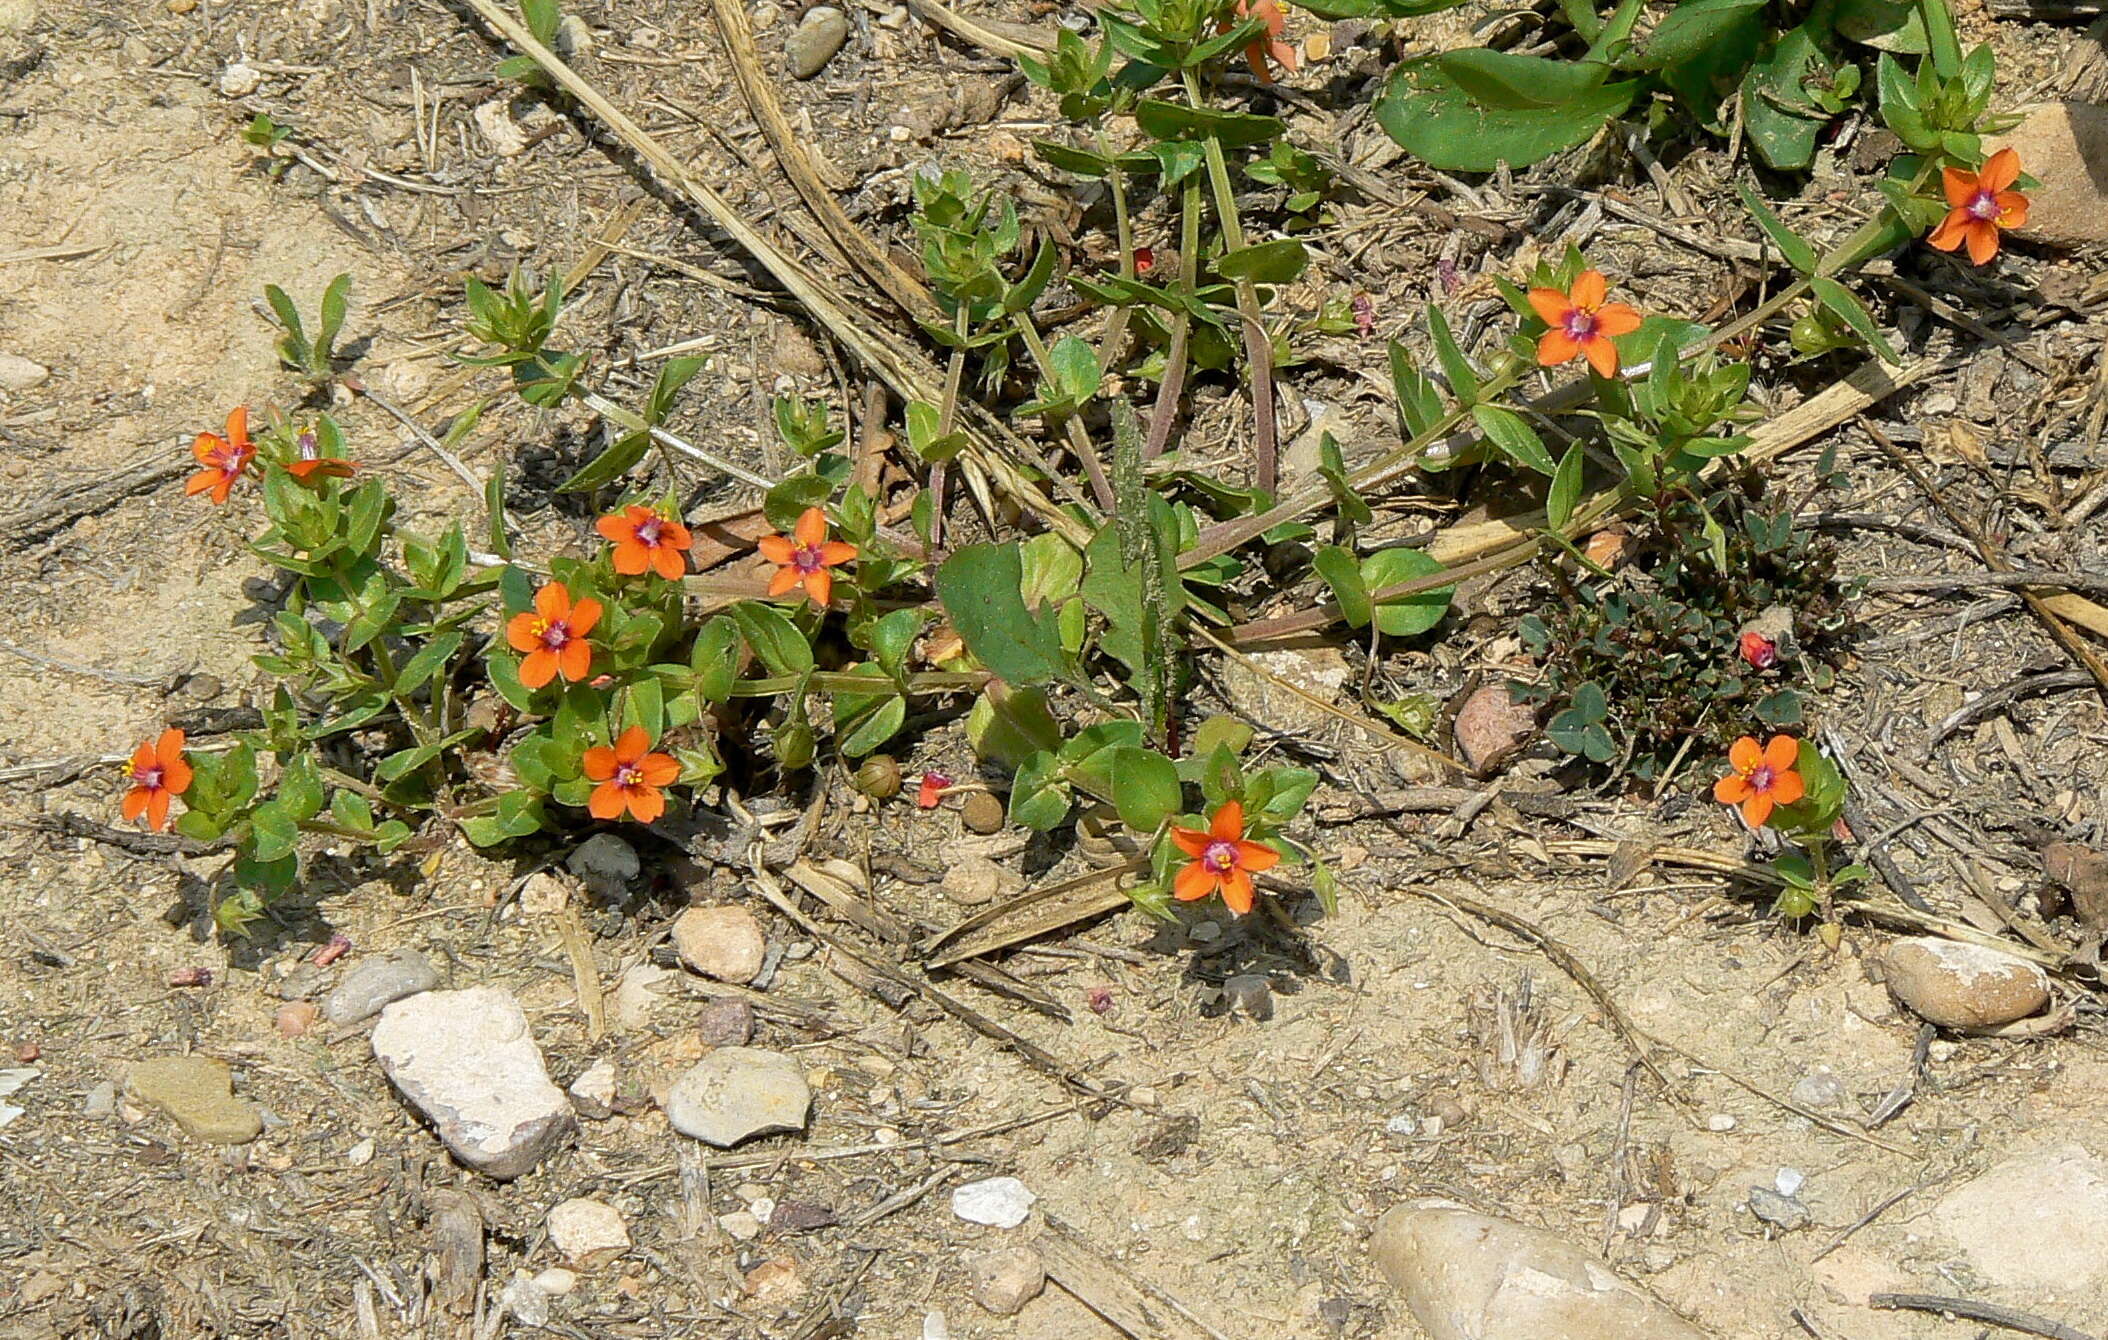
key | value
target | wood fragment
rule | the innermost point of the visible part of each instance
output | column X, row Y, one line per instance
column 1030, row 915
column 584, row 974
column 2012, row 1318
column 456, row 1265
column 1131, row 1302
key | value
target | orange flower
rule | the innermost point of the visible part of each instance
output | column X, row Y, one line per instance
column 225, row 459
column 1222, row 859
column 629, row 777
column 158, row 771
column 553, row 635
column 644, row 539
column 310, row 468
column 1981, row 203
column 1283, row 53
column 1762, row 778
column 806, row 554
column 1582, row 323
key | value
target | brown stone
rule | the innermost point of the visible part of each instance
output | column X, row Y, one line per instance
column 2064, row 146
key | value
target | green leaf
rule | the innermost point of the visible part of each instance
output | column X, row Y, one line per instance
column 1419, row 403
column 714, row 658
column 773, row 637
column 1266, row 263
column 1145, row 787
column 430, row 659
column 1175, row 120
column 610, row 465
column 1405, row 616
column 334, row 305
column 1039, row 800
column 273, row 832
column 1337, row 566
column 1463, row 378
column 300, row 787
column 864, row 721
column 1565, row 491
column 494, row 508
column 1075, row 367
column 1426, row 111
column 1779, row 116
column 1519, row 442
column 1798, row 253
column 1503, row 79
column 786, row 502
column 980, row 587
column 288, row 315
column 674, row 374
column 1695, row 29
column 349, row 809
column 1840, row 300
column 1010, row 725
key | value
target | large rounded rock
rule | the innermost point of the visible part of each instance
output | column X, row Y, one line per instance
column 1958, row 985
column 736, row 1093
column 468, row 1062
column 1467, row 1276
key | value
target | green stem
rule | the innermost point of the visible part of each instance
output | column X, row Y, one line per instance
column 1174, row 378
column 1079, row 436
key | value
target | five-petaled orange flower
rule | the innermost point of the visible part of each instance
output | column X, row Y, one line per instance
column 1283, row 53
column 1763, row 778
column 553, row 634
column 312, row 465
column 806, row 554
column 158, row 771
column 645, row 539
column 630, row 777
column 225, row 459
column 1981, row 203
column 1222, row 859
column 1582, row 323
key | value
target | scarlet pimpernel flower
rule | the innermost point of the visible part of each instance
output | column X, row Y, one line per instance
column 1270, row 45
column 226, row 459
column 159, row 772
column 630, row 778
column 1223, row 859
column 1979, row 205
column 805, row 556
column 553, row 634
column 1582, row 324
column 1763, row 777
column 645, row 539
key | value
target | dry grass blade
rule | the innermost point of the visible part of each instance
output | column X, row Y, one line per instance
column 1031, row 915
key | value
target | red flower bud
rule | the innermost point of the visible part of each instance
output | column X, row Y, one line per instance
column 1760, row 651
column 1145, row 260
column 934, row 785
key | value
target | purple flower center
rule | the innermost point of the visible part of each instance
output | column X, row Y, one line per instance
column 628, row 776
column 1220, row 856
column 648, row 533
column 1985, row 205
column 149, row 777
column 556, row 635
column 806, row 558
column 1581, row 324
column 1761, row 778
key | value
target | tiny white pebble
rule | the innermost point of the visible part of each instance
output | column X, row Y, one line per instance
column 1789, row 1181
column 1720, row 1121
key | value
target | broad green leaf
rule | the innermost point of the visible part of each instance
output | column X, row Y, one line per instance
column 1039, row 800
column 786, row 502
column 1266, row 263
column 1425, row 110
column 1145, row 788
column 273, row 833
column 1565, row 490
column 1340, row 571
column 1839, row 299
column 980, row 587
column 1175, row 120
column 1404, row 616
column 1519, row 442
column 775, row 640
column 1504, row 79
column 1780, row 118
column 1694, row 30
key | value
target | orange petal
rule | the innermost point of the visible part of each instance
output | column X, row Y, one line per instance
column 1733, row 789
column 584, row 615
column 811, row 528
column 1256, row 856
column 538, row 668
column 1782, row 753
column 553, row 601
column 1617, row 318
column 1745, row 754
column 598, row 763
column 1255, row 57
column 2001, row 170
column 222, row 489
column 1228, row 823
column 674, row 535
column 1190, row 840
column 176, row 777
column 1195, row 881
column 834, row 551
column 2012, row 209
column 632, row 745
column 666, row 560
column 168, row 750
column 142, row 759
column 520, row 631
column 616, row 528
column 1237, row 892
column 786, row 577
column 157, row 809
column 1756, row 810
column 202, row 480
column 606, row 802
column 1589, row 290
column 1787, row 787
column 238, row 422
column 659, row 769
column 1556, row 347
column 208, row 448
column 775, row 548
column 1602, row 355
column 1983, row 241
column 1950, row 232
column 1551, row 305
column 819, row 584
column 1284, row 53
column 646, row 804
column 135, row 804
column 631, row 558
column 575, row 660
column 1959, row 184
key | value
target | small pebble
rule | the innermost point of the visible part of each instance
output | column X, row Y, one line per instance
column 816, row 39
column 982, row 812
column 724, row 942
column 726, row 1021
column 588, row 1232
column 360, row 1154
column 1402, row 1124
column 1004, row 1281
column 556, row 1281
column 741, row 1224
column 296, row 1017
column 100, row 1101
column 204, row 688
column 999, row 1202
column 1789, row 1181
column 1782, row 1212
column 1819, row 1089
column 239, row 80
column 606, row 863
column 1720, row 1121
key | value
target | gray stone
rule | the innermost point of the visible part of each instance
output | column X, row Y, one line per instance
column 1266, row 690
column 1959, row 985
column 998, row 1202
column 1004, row 1281
column 588, row 1232
column 1251, row 994
column 1780, row 1211
column 724, row 942
column 736, row 1093
column 606, row 863
column 593, row 1092
column 21, row 374
column 467, row 1061
column 1819, row 1089
column 240, row 79
column 977, row 879
column 1467, row 1276
column 816, row 39
column 100, row 1101
column 199, row 1093
column 2035, row 1224
column 378, row 981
